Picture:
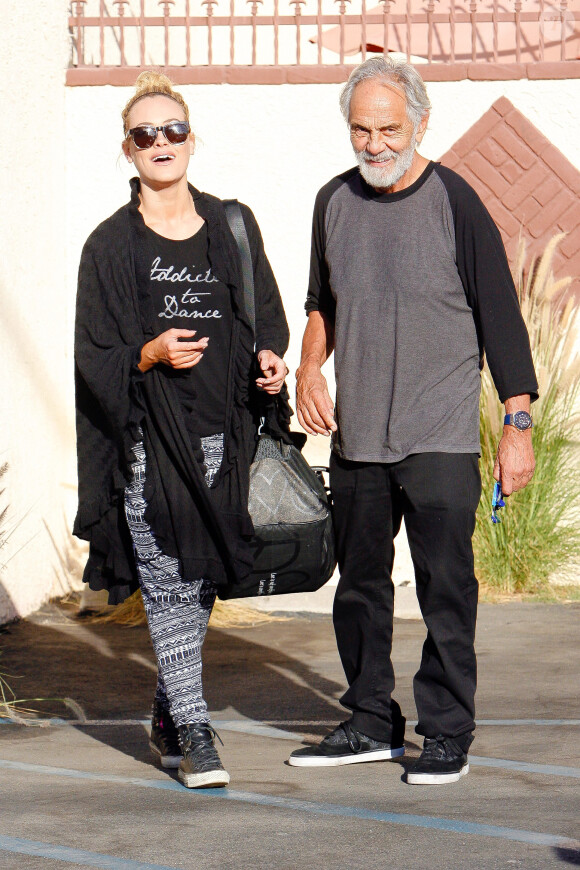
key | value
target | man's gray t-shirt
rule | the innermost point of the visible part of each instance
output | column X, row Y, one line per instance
column 407, row 351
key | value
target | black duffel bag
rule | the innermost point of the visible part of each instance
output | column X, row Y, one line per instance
column 294, row 542
column 288, row 503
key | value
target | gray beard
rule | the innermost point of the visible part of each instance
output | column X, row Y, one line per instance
column 395, row 166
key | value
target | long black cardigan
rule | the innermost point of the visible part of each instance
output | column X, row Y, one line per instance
column 208, row 530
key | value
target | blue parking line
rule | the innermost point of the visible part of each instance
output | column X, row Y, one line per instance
column 525, row 766
column 518, row 723
column 247, row 726
column 58, row 722
column 236, row 724
column 312, row 807
column 74, row 856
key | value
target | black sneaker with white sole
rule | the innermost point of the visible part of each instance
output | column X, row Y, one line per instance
column 201, row 766
column 164, row 739
column 347, row 746
column 442, row 760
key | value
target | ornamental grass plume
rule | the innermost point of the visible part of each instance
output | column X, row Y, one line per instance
column 10, row 705
column 539, row 535
column 8, row 700
column 225, row 614
column 3, row 512
column 7, row 696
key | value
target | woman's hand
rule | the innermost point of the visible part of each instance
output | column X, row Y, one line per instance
column 275, row 371
column 168, row 350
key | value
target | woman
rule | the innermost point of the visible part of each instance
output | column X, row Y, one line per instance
column 168, row 405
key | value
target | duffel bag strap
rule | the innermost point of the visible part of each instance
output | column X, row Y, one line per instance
column 238, row 228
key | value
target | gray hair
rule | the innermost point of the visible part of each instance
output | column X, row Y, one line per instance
column 401, row 74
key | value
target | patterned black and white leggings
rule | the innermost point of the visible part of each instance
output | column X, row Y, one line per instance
column 177, row 611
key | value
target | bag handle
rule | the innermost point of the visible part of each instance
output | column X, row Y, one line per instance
column 238, row 228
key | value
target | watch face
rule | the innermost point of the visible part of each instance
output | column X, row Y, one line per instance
column 522, row 420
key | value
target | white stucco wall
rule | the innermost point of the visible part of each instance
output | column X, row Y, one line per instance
column 272, row 147
column 35, row 397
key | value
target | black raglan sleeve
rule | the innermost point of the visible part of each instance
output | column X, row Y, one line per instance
column 319, row 296
column 490, row 290
column 272, row 331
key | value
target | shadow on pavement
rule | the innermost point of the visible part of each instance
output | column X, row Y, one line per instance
column 569, row 856
column 109, row 671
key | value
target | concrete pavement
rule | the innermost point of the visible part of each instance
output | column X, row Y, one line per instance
column 86, row 793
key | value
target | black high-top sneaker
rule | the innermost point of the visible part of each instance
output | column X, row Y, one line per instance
column 164, row 740
column 201, row 766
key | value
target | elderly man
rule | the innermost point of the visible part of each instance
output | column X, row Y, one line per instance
column 409, row 285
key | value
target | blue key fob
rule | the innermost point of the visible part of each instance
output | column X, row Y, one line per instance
column 497, row 502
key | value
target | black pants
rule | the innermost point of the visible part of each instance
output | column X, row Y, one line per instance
column 438, row 494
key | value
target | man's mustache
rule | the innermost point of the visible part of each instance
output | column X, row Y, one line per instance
column 383, row 157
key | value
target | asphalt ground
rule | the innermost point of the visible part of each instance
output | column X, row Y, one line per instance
column 79, row 788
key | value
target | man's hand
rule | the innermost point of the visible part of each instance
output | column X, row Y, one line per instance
column 314, row 406
column 275, row 371
column 170, row 351
column 515, row 463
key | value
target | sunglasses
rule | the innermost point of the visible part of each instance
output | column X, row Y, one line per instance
column 176, row 133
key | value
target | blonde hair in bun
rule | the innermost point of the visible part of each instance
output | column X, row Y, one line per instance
column 149, row 84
